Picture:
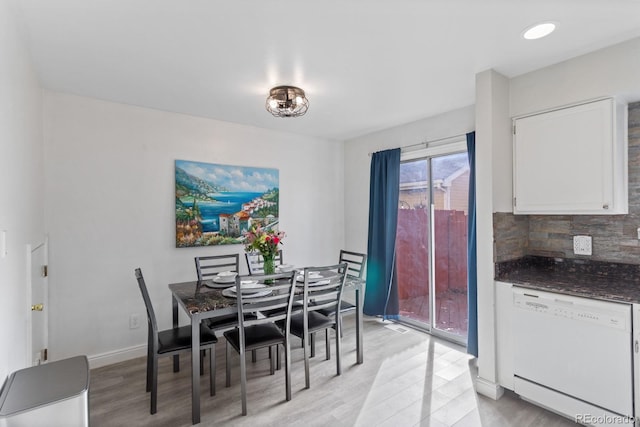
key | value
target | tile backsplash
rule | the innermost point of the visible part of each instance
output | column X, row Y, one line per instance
column 615, row 237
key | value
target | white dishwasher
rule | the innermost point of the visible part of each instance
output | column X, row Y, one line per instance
column 574, row 356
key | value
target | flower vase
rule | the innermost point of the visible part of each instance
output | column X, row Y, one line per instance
column 269, row 266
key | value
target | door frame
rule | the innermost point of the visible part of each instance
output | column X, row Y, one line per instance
column 44, row 245
column 451, row 146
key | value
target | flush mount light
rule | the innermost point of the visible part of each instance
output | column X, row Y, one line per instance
column 539, row 30
column 287, row 101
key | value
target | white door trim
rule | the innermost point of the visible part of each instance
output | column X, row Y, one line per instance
column 29, row 283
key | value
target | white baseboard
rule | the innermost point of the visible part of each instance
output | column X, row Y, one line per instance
column 111, row 357
column 488, row 388
column 575, row 409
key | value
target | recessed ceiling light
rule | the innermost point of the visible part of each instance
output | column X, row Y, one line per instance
column 539, row 30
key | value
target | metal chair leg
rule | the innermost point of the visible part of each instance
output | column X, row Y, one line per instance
column 327, row 343
column 212, row 370
column 339, row 349
column 154, row 385
column 307, row 380
column 287, row 369
column 243, row 381
column 149, row 366
column 228, row 369
column 279, row 365
column 272, row 360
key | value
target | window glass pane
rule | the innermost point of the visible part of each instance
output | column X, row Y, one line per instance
column 450, row 180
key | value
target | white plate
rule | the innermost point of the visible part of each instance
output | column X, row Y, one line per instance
column 224, row 279
column 231, row 293
column 227, row 273
column 284, row 268
column 252, row 286
column 214, row 285
column 320, row 282
column 300, row 277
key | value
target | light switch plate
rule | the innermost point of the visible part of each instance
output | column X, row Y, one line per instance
column 582, row 245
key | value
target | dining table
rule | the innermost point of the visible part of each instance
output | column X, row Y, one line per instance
column 200, row 301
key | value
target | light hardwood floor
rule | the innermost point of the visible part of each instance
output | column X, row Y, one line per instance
column 408, row 379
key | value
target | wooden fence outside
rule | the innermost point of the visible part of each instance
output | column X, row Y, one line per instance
column 412, row 252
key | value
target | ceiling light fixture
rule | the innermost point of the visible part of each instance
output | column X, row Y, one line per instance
column 287, row 101
column 538, row 31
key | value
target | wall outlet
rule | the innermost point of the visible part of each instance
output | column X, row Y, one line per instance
column 582, row 245
column 134, row 321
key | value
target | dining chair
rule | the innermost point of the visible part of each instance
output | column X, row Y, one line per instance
column 268, row 304
column 255, row 261
column 356, row 266
column 207, row 267
column 322, row 293
column 171, row 342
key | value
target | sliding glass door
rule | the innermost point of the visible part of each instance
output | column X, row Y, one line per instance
column 431, row 243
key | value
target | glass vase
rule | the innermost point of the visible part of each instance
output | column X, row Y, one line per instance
column 269, row 265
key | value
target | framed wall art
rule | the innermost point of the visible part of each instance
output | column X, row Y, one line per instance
column 216, row 204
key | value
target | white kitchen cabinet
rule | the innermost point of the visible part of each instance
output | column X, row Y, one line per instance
column 571, row 160
column 504, row 334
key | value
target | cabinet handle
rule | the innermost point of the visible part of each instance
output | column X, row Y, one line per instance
column 605, row 206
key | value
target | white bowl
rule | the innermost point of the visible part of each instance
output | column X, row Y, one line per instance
column 285, row 268
column 227, row 274
column 247, row 283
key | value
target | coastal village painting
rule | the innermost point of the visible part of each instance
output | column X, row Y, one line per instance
column 216, row 204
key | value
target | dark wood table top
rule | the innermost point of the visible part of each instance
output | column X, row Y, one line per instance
column 197, row 297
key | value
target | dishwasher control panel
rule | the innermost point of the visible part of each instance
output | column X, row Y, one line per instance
column 602, row 313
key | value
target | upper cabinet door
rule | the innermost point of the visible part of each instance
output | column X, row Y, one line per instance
column 571, row 160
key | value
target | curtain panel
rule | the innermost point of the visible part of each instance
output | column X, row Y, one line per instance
column 381, row 296
column 472, row 271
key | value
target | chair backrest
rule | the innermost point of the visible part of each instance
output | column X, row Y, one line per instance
column 208, row 267
column 255, row 261
column 275, row 304
column 151, row 316
column 356, row 263
column 324, row 292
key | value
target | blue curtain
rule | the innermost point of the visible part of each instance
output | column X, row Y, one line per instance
column 381, row 297
column 472, row 271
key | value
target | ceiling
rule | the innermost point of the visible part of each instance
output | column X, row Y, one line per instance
column 366, row 65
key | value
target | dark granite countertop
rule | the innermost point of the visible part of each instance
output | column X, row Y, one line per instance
column 584, row 278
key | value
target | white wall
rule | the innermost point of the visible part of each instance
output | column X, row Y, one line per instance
column 110, row 208
column 493, row 167
column 357, row 163
column 614, row 71
column 21, row 184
